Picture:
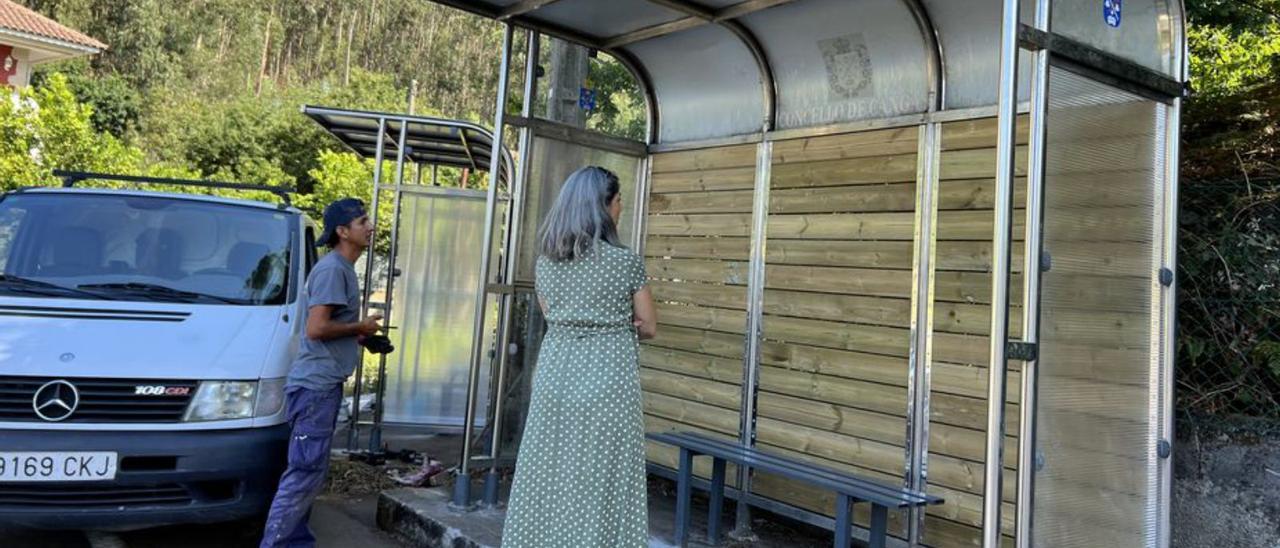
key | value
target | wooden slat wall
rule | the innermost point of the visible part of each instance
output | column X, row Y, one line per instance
column 837, row 307
column 961, row 325
column 837, row 310
column 697, row 248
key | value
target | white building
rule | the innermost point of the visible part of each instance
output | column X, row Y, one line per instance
column 28, row 39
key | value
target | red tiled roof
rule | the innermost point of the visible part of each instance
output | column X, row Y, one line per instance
column 21, row 19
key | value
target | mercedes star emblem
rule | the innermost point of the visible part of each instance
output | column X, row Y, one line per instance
column 56, row 400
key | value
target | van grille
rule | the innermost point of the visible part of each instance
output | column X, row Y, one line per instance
column 87, row 496
column 100, row 400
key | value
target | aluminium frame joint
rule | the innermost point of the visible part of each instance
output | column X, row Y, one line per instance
column 1022, row 351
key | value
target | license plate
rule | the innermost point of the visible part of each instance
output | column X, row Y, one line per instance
column 58, row 466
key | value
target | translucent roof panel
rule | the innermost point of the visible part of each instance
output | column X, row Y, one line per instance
column 706, row 82
column 837, row 61
column 719, row 68
column 970, row 36
column 428, row 141
column 606, row 18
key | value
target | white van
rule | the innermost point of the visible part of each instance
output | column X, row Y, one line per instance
column 144, row 342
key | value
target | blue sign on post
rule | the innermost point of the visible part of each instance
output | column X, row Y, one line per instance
column 587, row 99
column 1111, row 12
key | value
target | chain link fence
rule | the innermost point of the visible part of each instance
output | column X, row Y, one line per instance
column 1229, row 300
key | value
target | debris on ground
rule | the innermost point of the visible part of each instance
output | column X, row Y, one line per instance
column 347, row 477
column 429, row 474
column 366, row 473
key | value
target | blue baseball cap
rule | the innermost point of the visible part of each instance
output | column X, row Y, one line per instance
column 339, row 213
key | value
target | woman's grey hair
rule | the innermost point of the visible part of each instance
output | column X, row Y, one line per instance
column 580, row 215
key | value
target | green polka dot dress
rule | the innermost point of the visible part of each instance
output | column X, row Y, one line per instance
column 580, row 478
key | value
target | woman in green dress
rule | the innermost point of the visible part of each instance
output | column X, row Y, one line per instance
column 580, row 477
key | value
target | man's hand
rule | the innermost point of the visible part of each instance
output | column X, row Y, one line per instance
column 369, row 326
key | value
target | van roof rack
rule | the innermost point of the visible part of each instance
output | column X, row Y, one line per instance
column 70, row 178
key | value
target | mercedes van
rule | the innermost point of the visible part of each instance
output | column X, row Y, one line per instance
column 144, row 342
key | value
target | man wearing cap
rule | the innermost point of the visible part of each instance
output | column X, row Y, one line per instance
column 329, row 354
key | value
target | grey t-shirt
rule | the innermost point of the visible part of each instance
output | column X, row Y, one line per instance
column 322, row 364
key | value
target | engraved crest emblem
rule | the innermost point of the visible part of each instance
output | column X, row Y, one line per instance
column 849, row 73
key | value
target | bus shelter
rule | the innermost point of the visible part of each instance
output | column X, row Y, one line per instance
column 427, row 287
column 929, row 241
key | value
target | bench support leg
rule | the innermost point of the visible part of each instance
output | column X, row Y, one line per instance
column 684, row 496
column 717, row 502
column 879, row 525
column 844, row 520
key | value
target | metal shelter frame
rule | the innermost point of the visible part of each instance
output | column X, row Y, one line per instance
column 698, row 101
column 423, row 141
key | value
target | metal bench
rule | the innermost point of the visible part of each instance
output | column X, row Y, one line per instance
column 849, row 489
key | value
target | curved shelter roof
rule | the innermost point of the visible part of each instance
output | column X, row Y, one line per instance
column 427, row 141
column 719, row 68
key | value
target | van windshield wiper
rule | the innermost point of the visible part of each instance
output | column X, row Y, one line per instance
column 28, row 285
column 157, row 290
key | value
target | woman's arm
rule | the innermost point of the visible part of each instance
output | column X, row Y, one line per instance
column 646, row 317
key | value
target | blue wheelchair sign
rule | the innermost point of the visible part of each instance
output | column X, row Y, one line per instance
column 587, row 99
column 1111, row 12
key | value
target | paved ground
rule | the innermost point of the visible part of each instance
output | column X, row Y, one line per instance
column 337, row 522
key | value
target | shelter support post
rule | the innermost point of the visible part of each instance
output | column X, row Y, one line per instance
column 755, row 308
column 919, row 374
column 1000, row 257
column 353, row 433
column 462, row 485
column 511, row 243
column 1031, row 283
column 1169, row 320
column 375, row 434
column 1169, row 297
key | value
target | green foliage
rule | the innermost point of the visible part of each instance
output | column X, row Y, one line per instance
column 1233, row 116
column 1226, row 62
column 620, row 108
column 345, row 175
column 1229, row 248
column 1229, row 300
column 1241, row 15
column 46, row 128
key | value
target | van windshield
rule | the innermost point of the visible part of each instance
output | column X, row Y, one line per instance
column 144, row 248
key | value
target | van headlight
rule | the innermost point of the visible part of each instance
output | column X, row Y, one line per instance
column 222, row 400
column 270, row 397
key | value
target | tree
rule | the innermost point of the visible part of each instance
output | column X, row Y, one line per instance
column 1233, row 115
column 47, row 129
column 344, row 175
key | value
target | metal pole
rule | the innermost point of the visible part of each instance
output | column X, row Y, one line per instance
column 1031, row 272
column 1169, row 298
column 1169, row 320
column 375, row 435
column 641, row 208
column 1005, row 143
column 919, row 374
column 755, row 307
column 353, row 434
column 511, row 243
column 462, row 486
